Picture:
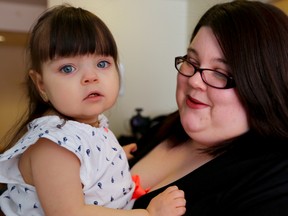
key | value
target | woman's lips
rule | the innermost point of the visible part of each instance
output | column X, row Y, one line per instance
column 195, row 104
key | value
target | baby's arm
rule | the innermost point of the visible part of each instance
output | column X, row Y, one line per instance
column 54, row 171
column 170, row 202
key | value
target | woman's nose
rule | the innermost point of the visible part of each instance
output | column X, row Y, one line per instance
column 196, row 81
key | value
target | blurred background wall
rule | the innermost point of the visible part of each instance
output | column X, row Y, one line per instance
column 149, row 35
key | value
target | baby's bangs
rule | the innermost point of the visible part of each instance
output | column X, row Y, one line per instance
column 77, row 32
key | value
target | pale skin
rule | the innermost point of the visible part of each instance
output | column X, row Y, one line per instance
column 208, row 116
column 129, row 149
column 53, row 170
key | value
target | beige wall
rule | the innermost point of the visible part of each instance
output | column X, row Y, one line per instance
column 11, row 89
column 16, row 18
column 149, row 34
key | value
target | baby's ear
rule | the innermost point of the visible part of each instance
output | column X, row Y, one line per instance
column 38, row 82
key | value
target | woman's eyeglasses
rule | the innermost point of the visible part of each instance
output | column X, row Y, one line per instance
column 212, row 78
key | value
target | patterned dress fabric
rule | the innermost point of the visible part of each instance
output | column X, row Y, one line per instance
column 104, row 171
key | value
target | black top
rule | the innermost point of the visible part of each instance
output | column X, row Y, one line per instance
column 249, row 179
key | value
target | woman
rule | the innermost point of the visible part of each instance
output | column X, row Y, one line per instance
column 232, row 88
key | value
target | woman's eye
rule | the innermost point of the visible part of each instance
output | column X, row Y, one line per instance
column 67, row 69
column 103, row 64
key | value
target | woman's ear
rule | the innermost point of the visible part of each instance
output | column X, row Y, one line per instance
column 38, row 82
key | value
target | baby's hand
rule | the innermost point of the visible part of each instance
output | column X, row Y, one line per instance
column 170, row 202
column 129, row 149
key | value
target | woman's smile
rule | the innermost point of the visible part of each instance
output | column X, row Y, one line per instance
column 194, row 103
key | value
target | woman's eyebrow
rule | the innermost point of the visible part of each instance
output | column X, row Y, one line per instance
column 191, row 50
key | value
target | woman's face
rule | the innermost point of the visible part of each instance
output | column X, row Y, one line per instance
column 208, row 115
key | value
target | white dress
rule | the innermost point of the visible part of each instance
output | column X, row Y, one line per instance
column 104, row 170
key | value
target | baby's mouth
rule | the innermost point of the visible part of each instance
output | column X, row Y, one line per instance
column 93, row 95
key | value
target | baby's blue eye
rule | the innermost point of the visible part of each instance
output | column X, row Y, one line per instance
column 67, row 69
column 103, row 64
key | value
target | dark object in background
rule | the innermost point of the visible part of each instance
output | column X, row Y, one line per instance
column 139, row 124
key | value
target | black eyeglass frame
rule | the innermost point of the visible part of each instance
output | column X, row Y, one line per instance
column 230, row 81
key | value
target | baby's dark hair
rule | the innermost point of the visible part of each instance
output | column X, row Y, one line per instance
column 61, row 31
column 68, row 31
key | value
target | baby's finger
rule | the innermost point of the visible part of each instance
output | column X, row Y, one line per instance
column 170, row 189
column 178, row 193
column 180, row 211
column 180, row 202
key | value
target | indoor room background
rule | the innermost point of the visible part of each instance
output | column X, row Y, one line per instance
column 149, row 34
